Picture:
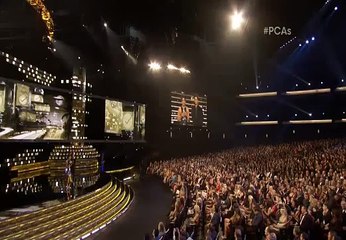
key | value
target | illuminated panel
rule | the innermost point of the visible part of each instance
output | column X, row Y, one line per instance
column 121, row 170
column 253, row 95
column 24, row 158
column 30, row 72
column 306, row 92
column 309, row 121
column 258, row 123
column 340, row 89
column 41, row 9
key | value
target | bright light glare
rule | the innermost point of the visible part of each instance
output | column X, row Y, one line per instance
column 154, row 66
column 237, row 20
column 105, row 25
column 172, row 67
column 184, row 70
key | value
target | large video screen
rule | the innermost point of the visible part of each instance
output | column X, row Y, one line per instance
column 31, row 113
column 126, row 119
column 113, row 116
column 189, row 109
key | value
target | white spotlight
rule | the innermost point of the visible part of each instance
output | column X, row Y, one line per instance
column 184, row 70
column 105, row 25
column 154, row 66
column 336, row 8
column 313, row 38
column 237, row 20
column 307, row 41
column 309, row 84
column 172, row 67
column 54, row 49
column 257, row 87
column 342, row 80
column 310, row 114
column 300, row 44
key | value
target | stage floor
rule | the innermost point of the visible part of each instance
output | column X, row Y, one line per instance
column 151, row 204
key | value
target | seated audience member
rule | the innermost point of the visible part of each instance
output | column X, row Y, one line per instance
column 162, row 230
column 306, row 221
column 238, row 234
column 296, row 233
column 304, row 236
column 271, row 236
column 333, row 236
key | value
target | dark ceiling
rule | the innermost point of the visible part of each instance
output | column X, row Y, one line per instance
column 194, row 33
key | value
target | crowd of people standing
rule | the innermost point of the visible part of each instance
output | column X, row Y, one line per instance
column 286, row 191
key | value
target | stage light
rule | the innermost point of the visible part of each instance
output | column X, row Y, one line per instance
column 257, row 87
column 297, row 85
column 172, row 67
column 309, row 84
column 247, row 116
column 336, row 8
column 310, row 114
column 237, row 20
column 54, row 49
column 184, row 70
column 105, row 25
column 313, row 38
column 342, row 80
column 78, row 58
column 268, row 115
column 307, row 41
column 295, row 115
column 256, row 116
column 154, row 66
column 322, row 83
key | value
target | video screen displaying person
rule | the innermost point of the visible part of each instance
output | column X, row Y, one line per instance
column 188, row 109
column 197, row 112
column 183, row 116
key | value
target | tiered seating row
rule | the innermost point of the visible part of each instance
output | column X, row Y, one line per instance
column 74, row 219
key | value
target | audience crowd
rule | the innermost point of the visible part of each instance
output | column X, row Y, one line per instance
column 287, row 191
